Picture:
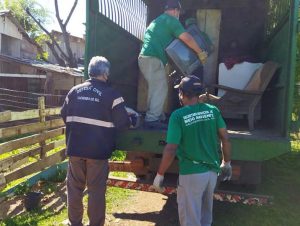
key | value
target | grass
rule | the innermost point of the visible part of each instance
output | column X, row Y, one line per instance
column 281, row 180
column 114, row 198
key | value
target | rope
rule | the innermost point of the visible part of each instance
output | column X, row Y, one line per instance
column 18, row 102
column 29, row 98
column 13, row 106
column 37, row 94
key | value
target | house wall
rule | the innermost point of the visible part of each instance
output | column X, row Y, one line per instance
column 28, row 50
column 9, row 29
column 10, row 46
column 77, row 45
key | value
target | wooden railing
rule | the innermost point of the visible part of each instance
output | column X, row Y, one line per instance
column 36, row 128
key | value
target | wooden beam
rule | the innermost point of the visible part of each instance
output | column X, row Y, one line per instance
column 9, row 116
column 36, row 167
column 2, row 180
column 135, row 166
column 6, row 163
column 5, row 116
column 30, row 128
column 22, row 75
column 26, row 141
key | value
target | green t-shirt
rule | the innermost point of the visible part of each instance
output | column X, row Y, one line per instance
column 159, row 34
column 194, row 129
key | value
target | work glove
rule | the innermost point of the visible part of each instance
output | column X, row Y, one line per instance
column 202, row 57
column 157, row 183
column 226, row 170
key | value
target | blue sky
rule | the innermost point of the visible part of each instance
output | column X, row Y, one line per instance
column 75, row 25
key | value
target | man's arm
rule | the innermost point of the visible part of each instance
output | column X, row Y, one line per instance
column 64, row 109
column 190, row 42
column 167, row 159
column 119, row 114
column 226, row 170
column 225, row 144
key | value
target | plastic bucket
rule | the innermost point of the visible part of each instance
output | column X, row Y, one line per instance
column 32, row 200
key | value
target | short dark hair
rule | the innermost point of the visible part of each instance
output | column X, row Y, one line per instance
column 189, row 94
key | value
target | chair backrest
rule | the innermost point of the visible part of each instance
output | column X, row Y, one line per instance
column 262, row 76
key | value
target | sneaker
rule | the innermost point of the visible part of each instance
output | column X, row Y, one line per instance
column 155, row 125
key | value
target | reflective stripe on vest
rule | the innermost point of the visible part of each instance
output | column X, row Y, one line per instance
column 90, row 121
column 117, row 101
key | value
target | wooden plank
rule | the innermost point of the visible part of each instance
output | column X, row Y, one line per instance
column 36, row 167
column 2, row 180
column 19, row 163
column 6, row 163
column 41, row 102
column 209, row 21
column 30, row 128
column 5, row 116
column 8, row 116
column 26, row 141
column 52, row 111
column 22, row 75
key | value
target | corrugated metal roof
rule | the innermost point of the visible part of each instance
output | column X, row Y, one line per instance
column 41, row 65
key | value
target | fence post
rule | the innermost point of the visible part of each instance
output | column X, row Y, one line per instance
column 42, row 115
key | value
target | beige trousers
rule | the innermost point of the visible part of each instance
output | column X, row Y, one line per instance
column 154, row 72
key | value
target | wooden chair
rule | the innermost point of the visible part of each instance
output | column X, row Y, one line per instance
column 244, row 102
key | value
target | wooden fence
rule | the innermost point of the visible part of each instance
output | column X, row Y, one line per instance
column 36, row 128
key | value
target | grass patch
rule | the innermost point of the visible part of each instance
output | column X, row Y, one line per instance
column 114, row 197
column 281, row 180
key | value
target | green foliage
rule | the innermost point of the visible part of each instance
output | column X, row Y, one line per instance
column 18, row 7
column 22, row 188
column 280, row 180
column 48, row 187
column 118, row 155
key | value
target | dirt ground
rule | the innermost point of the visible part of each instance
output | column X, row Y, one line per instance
column 145, row 209
column 141, row 209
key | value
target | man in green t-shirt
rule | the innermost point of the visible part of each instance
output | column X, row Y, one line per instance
column 194, row 134
column 152, row 60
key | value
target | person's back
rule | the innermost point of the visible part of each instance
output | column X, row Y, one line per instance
column 92, row 112
column 152, row 59
column 159, row 34
column 197, row 125
column 193, row 135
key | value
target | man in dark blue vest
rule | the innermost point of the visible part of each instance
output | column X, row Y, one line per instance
column 92, row 112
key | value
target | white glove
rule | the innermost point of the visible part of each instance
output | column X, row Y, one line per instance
column 157, row 183
column 226, row 170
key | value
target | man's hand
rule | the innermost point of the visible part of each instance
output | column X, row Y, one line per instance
column 157, row 183
column 202, row 57
column 226, row 170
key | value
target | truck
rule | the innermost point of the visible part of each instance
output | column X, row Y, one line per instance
column 263, row 29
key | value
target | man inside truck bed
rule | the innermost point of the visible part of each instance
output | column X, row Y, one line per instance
column 194, row 132
column 92, row 112
column 152, row 60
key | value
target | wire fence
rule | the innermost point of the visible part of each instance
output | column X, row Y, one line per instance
column 16, row 100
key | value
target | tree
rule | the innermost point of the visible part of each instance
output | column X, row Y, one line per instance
column 17, row 9
column 33, row 17
column 64, row 59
